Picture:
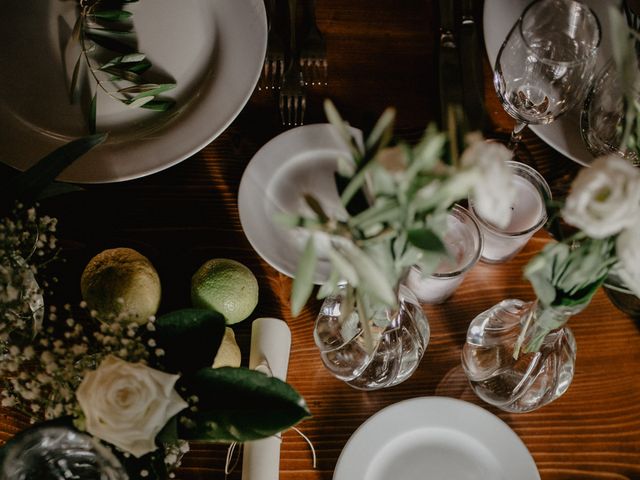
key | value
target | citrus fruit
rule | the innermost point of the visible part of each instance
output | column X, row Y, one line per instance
column 121, row 280
column 229, row 352
column 227, row 287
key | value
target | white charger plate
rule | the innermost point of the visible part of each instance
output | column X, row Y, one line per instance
column 563, row 134
column 213, row 49
column 298, row 161
column 437, row 438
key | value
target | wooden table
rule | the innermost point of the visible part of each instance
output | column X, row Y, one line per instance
column 379, row 55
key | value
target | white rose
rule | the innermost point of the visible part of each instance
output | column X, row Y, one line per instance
column 493, row 189
column 127, row 404
column 605, row 198
column 629, row 256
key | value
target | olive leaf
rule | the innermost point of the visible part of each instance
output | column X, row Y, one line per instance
column 306, row 269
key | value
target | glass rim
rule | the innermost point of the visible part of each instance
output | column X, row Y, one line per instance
column 462, row 215
column 545, row 193
column 548, row 61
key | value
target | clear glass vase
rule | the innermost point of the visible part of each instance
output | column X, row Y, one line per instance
column 519, row 356
column 397, row 347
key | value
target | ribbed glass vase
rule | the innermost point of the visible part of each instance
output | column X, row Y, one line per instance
column 514, row 361
column 397, row 347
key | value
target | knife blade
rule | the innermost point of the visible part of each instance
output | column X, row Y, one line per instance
column 449, row 82
column 471, row 69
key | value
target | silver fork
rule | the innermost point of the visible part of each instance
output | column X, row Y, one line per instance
column 273, row 68
column 293, row 101
column 313, row 52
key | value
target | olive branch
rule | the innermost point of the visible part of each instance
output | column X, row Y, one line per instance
column 101, row 30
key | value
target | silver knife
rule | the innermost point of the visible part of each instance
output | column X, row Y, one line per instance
column 471, row 69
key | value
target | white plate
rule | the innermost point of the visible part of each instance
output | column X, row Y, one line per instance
column 563, row 134
column 298, row 161
column 213, row 49
column 435, row 438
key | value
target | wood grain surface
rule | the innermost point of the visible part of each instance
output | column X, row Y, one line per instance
column 380, row 53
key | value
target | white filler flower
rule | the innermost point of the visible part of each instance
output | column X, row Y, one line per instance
column 493, row 188
column 605, row 198
column 127, row 404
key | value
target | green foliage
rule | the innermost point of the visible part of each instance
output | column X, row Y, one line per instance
column 238, row 404
column 106, row 27
column 36, row 182
column 190, row 338
column 395, row 197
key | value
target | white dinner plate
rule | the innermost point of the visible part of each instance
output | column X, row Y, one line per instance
column 435, row 438
column 563, row 134
column 214, row 49
column 298, row 161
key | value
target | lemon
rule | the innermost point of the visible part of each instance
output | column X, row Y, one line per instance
column 121, row 280
column 229, row 352
column 227, row 287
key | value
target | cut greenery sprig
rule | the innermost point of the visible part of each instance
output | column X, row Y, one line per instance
column 395, row 199
column 104, row 30
column 604, row 205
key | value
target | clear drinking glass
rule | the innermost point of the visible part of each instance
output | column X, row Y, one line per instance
column 546, row 63
column 464, row 243
column 528, row 215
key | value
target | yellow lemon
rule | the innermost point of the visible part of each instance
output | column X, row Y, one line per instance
column 121, row 280
column 229, row 352
column 227, row 287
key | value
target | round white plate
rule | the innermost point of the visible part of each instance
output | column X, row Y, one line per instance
column 213, row 49
column 298, row 161
column 563, row 134
column 435, row 438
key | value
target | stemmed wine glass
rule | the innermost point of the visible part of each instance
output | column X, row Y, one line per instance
column 546, row 63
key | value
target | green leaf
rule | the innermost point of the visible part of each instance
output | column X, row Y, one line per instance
column 29, row 184
column 238, row 405
column 382, row 131
column 74, row 81
column 314, row 205
column 112, row 15
column 92, row 113
column 102, row 38
column 303, row 283
column 344, row 268
column 342, row 128
column 124, row 74
column 58, row 188
column 426, row 239
column 371, row 278
column 190, row 338
column 155, row 91
column 159, row 105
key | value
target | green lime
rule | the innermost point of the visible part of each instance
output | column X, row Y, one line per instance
column 121, row 280
column 227, row 287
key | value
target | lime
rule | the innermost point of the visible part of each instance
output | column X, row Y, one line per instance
column 229, row 352
column 227, row 287
column 121, row 280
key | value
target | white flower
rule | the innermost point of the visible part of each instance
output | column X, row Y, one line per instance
column 493, row 189
column 605, row 198
column 127, row 404
column 629, row 256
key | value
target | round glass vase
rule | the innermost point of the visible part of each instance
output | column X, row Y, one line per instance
column 524, row 378
column 602, row 118
column 397, row 347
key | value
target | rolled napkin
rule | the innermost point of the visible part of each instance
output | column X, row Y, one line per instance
column 270, row 347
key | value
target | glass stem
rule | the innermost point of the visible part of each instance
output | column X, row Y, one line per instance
column 516, row 136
